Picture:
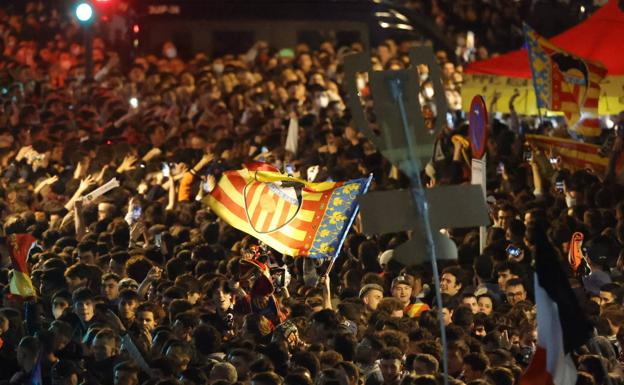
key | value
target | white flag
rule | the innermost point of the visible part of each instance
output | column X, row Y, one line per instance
column 292, row 138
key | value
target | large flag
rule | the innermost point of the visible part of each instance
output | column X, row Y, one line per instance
column 565, row 82
column 576, row 155
column 561, row 324
column 19, row 246
column 291, row 215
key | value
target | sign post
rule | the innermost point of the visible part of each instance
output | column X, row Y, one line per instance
column 405, row 141
column 478, row 133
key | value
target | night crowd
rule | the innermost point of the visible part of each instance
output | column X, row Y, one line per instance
column 144, row 285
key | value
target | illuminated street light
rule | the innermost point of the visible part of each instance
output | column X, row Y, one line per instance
column 84, row 12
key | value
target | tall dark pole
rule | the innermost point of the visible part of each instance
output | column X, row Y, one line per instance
column 88, row 44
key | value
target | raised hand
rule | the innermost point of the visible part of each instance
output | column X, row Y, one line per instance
column 51, row 180
column 127, row 164
column 86, row 183
column 153, row 153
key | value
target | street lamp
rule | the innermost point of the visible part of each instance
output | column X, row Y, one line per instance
column 85, row 14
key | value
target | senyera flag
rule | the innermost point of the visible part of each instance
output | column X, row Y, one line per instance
column 20, row 284
column 561, row 324
column 577, row 155
column 565, row 82
column 291, row 215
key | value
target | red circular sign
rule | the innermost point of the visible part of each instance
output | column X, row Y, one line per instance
column 478, row 126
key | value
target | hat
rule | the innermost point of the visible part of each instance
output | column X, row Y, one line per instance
column 403, row 279
column 128, row 283
column 349, row 326
column 386, row 256
column 368, row 287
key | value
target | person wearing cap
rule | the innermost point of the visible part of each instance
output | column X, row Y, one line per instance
column 371, row 294
column 402, row 290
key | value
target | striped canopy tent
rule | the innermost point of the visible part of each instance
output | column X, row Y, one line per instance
column 599, row 38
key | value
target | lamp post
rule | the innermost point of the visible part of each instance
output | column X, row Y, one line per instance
column 85, row 14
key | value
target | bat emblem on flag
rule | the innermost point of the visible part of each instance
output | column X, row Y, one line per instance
column 271, row 206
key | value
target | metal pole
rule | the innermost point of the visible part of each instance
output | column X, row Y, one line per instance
column 422, row 209
column 88, row 44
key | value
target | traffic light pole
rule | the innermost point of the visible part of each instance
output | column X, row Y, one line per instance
column 88, row 44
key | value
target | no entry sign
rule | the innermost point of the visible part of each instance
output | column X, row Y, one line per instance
column 478, row 129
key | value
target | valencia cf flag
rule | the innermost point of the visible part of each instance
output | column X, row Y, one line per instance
column 291, row 215
column 565, row 82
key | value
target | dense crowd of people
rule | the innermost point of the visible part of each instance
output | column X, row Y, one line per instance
column 145, row 285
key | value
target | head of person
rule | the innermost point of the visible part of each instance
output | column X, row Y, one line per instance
column 504, row 215
column 451, row 280
column 505, row 271
column 241, row 359
column 62, row 334
column 390, row 364
column 470, row 300
column 224, row 371
column 221, row 294
column 266, row 378
column 424, row 364
column 84, row 305
column 128, row 302
column 457, row 350
column 60, row 302
column 105, row 345
column 110, row 286
column 371, row 294
column 180, row 353
column 610, row 293
column 324, row 324
column 77, row 276
column 126, row 373
column 65, row 372
column 367, row 350
column 27, row 353
column 486, row 304
column 402, row 288
column 148, row 316
column 515, row 291
column 474, row 366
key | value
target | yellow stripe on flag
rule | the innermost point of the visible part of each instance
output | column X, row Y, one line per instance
column 21, row 284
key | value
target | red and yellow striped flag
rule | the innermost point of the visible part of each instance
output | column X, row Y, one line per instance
column 291, row 215
column 567, row 83
column 20, row 283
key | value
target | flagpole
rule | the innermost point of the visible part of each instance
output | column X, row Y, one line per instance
column 348, row 226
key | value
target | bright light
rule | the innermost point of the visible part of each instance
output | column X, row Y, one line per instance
column 609, row 123
column 135, row 28
column 405, row 26
column 582, row 9
column 84, row 12
column 383, row 24
column 134, row 102
column 399, row 15
column 383, row 14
